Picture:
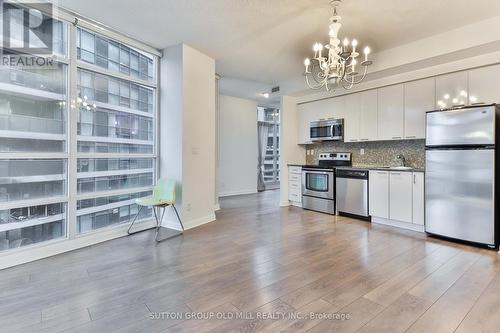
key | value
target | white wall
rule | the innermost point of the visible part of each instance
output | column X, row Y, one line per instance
column 187, row 132
column 290, row 152
column 237, row 146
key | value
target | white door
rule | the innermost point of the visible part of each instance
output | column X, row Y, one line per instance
column 451, row 90
column 418, row 198
column 351, row 118
column 419, row 98
column 390, row 112
column 378, row 193
column 484, row 85
column 368, row 115
column 400, row 202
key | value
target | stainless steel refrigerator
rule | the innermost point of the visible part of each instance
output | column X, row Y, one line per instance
column 460, row 172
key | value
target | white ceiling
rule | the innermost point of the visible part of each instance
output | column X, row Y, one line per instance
column 266, row 41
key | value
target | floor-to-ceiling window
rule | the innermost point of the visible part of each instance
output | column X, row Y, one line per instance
column 77, row 139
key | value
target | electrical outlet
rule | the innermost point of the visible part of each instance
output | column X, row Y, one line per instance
column 362, row 151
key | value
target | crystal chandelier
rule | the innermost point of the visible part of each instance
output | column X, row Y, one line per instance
column 338, row 66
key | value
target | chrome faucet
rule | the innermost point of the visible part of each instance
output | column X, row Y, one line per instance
column 401, row 160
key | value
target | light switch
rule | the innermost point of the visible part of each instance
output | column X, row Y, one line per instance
column 362, row 151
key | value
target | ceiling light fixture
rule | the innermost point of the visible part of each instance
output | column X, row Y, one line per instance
column 338, row 65
column 265, row 95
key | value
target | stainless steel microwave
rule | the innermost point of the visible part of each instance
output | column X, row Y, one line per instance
column 327, row 130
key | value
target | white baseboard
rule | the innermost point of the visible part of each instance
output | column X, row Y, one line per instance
column 284, row 203
column 217, row 207
column 239, row 192
column 200, row 221
column 40, row 251
column 398, row 224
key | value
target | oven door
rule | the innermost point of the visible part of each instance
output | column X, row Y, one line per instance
column 319, row 184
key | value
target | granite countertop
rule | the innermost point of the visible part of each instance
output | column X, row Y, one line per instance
column 384, row 168
column 370, row 167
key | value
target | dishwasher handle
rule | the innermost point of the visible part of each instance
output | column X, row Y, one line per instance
column 353, row 174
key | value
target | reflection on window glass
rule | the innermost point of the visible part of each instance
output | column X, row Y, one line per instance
column 105, row 89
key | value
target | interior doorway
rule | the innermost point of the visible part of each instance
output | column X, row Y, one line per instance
column 268, row 124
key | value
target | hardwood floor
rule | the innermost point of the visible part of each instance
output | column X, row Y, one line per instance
column 265, row 269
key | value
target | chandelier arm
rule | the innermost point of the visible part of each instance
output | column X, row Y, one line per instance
column 362, row 77
column 317, row 87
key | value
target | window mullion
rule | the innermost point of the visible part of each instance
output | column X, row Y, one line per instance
column 72, row 133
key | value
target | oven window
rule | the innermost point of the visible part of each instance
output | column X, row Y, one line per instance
column 317, row 182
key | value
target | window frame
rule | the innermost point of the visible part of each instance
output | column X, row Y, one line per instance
column 70, row 155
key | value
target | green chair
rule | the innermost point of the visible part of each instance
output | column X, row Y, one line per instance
column 163, row 196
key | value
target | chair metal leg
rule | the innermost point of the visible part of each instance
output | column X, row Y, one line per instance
column 175, row 209
column 159, row 226
column 135, row 218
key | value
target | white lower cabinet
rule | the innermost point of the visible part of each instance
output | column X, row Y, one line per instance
column 295, row 185
column 418, row 198
column 378, row 193
column 397, row 198
column 400, row 194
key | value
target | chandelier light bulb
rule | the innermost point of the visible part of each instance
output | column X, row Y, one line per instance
column 346, row 42
column 366, row 52
column 307, row 62
column 354, row 44
column 446, row 96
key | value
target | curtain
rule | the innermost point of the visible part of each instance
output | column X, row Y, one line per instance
column 262, row 134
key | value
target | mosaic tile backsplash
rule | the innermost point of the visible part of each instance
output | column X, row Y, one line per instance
column 377, row 153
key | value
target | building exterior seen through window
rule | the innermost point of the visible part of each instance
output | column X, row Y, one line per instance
column 97, row 142
column 271, row 162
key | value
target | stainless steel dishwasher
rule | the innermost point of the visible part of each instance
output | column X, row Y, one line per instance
column 352, row 193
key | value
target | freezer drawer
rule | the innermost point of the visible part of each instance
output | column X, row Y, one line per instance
column 474, row 126
column 459, row 194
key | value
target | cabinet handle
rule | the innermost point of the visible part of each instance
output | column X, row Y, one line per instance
column 478, row 103
column 353, row 140
column 414, row 179
column 364, row 139
column 396, row 137
column 396, row 173
column 411, row 137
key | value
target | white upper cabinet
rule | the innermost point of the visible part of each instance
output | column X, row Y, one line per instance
column 401, row 202
column 451, row 90
column 368, row 115
column 390, row 112
column 419, row 98
column 484, row 85
column 352, row 118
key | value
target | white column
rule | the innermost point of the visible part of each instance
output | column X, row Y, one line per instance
column 290, row 151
